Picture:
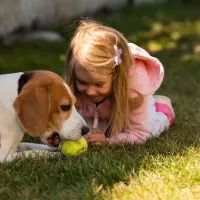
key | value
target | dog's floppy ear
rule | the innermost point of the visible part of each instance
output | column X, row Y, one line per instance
column 32, row 107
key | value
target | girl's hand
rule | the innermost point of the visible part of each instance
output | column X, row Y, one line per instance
column 96, row 139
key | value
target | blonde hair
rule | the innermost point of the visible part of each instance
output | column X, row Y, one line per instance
column 92, row 47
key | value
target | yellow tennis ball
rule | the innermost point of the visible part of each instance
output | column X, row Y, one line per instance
column 69, row 147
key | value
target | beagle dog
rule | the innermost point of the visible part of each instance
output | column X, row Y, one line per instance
column 40, row 104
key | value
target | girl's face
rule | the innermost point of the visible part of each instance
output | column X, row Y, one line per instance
column 96, row 87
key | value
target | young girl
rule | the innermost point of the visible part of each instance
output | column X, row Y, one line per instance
column 114, row 82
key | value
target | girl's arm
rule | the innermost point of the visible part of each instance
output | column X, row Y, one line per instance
column 144, row 123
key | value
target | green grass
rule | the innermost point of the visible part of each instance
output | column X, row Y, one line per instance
column 164, row 168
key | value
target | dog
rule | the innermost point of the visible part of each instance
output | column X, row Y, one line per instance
column 40, row 104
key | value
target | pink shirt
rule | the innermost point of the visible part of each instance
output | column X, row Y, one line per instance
column 146, row 76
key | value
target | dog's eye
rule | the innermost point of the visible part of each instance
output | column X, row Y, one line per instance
column 65, row 107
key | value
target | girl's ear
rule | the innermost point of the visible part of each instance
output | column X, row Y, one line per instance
column 148, row 73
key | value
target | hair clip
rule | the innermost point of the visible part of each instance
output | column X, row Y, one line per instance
column 118, row 59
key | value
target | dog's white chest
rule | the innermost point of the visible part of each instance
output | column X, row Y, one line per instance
column 8, row 89
column 8, row 94
column 10, row 131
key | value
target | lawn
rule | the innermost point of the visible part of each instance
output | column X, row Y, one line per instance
column 164, row 168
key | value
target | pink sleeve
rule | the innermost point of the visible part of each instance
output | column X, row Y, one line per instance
column 135, row 134
column 139, row 125
column 127, row 138
column 146, row 75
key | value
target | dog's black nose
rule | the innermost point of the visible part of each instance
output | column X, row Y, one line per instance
column 84, row 130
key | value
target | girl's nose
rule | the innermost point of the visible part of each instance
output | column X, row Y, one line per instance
column 90, row 91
